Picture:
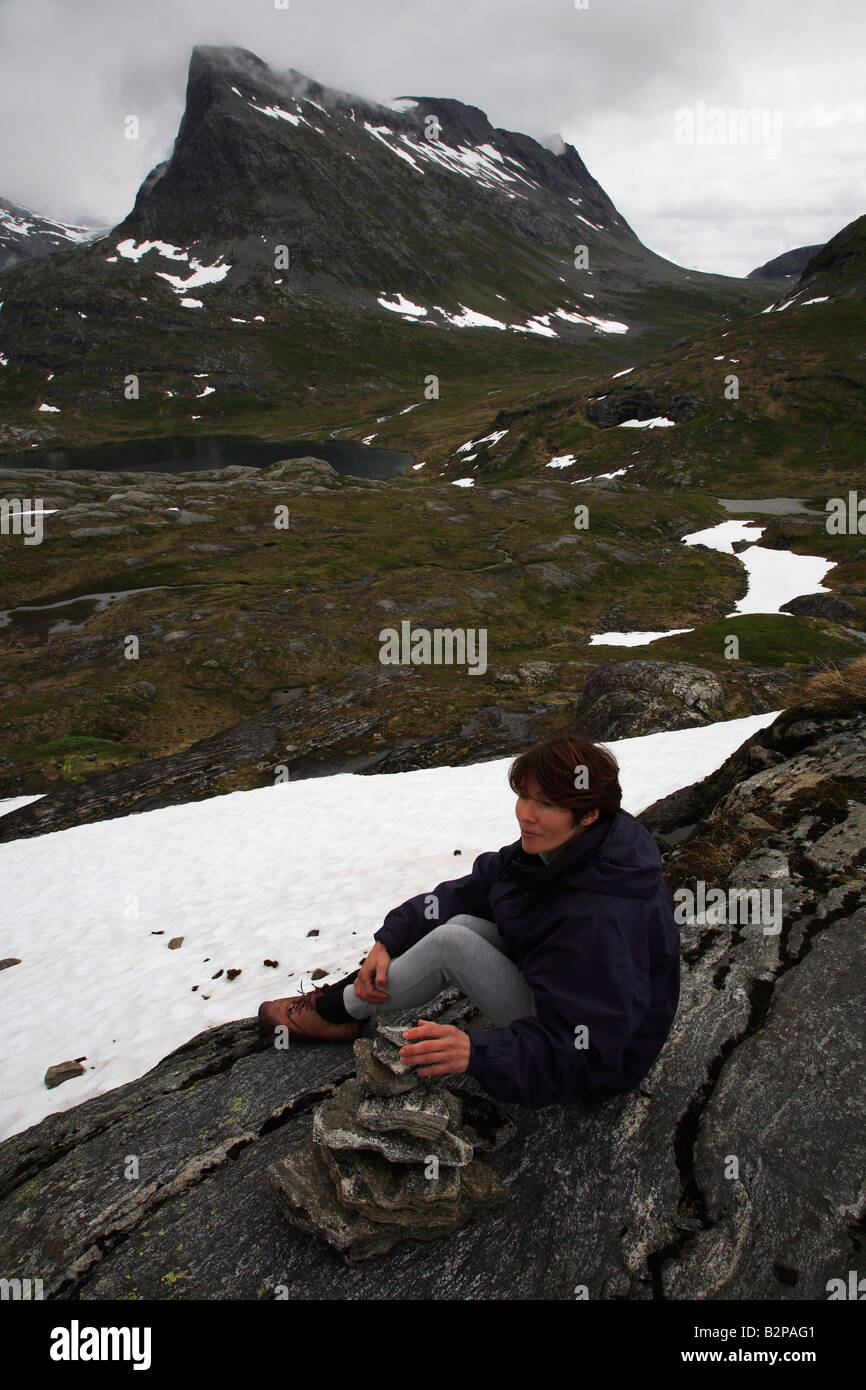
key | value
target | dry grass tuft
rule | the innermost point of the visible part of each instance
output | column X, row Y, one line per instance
column 836, row 687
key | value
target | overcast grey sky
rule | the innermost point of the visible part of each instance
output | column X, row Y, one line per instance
column 610, row 76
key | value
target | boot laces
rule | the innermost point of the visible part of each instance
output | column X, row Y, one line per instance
column 307, row 1001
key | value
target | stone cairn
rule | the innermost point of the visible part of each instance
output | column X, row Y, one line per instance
column 391, row 1155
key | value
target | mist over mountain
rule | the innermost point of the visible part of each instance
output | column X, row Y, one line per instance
column 306, row 241
column 25, row 234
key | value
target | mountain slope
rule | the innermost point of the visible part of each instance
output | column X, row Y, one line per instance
column 387, row 231
column 772, row 404
column 838, row 268
column 785, row 267
column 26, row 235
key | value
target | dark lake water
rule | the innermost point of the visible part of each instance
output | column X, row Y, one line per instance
column 769, row 506
column 192, row 455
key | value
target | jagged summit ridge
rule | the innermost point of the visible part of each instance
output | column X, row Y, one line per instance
column 508, row 161
column 294, row 226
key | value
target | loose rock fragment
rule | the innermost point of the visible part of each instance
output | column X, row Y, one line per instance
column 64, row 1071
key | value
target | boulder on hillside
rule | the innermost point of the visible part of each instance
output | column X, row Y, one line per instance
column 628, row 698
column 635, row 401
column 838, row 610
column 309, row 471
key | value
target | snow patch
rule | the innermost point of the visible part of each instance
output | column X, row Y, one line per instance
column 774, row 576
column 602, row 325
column 657, row 423
column 633, row 639
column 402, row 305
column 469, row 318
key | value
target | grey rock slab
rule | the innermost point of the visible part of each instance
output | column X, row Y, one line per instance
column 64, row 1187
column 375, row 1078
column 424, row 1114
column 387, row 1054
column 393, row 1032
column 642, row 696
column 790, row 1106
column 843, row 847
column 485, row 1124
column 382, row 1191
column 553, row 575
column 306, row 1192
column 336, row 1125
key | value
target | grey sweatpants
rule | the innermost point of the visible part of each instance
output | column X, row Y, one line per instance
column 466, row 951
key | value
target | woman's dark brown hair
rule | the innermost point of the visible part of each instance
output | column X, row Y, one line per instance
column 572, row 772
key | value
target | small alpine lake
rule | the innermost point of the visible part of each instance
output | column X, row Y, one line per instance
column 199, row 453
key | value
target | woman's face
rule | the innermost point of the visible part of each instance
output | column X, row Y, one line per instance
column 543, row 826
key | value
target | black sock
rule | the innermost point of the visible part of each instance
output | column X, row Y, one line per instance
column 330, row 1006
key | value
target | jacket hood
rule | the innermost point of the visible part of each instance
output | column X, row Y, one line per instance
column 616, row 856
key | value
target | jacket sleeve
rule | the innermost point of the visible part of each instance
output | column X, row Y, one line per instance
column 407, row 924
column 583, row 973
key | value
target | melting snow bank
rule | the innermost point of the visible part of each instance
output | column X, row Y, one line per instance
column 633, row 639
column 774, row 576
column 403, row 306
column 243, row 878
column 473, row 318
column 656, row 423
column 200, row 274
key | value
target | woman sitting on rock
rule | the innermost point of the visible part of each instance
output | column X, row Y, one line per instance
column 566, row 940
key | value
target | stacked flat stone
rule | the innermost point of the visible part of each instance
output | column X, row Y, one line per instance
column 391, row 1155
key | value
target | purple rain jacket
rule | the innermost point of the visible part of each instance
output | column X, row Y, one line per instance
column 594, row 934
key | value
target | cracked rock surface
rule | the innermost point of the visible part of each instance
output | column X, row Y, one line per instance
column 734, row 1171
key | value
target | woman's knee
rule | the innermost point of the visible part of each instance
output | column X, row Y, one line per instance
column 454, row 937
column 465, row 919
column 454, row 926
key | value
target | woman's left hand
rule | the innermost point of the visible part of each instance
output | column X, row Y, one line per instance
column 443, row 1049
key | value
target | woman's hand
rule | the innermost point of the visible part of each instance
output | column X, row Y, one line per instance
column 369, row 985
column 444, row 1049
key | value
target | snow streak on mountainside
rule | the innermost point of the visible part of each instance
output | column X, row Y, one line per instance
column 381, row 204
column 311, row 225
column 25, row 234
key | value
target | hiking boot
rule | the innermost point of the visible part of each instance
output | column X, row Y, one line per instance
column 298, row 1014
